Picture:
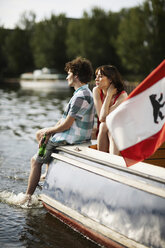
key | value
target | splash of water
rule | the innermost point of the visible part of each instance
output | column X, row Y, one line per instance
column 14, row 199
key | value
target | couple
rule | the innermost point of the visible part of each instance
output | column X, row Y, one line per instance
column 76, row 124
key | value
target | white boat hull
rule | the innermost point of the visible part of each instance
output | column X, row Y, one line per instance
column 45, row 85
column 97, row 195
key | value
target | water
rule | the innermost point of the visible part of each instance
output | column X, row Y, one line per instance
column 22, row 113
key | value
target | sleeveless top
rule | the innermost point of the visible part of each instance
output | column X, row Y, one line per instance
column 101, row 96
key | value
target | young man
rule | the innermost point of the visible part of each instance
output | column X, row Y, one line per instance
column 75, row 125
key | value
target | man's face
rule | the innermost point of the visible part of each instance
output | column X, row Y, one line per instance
column 70, row 78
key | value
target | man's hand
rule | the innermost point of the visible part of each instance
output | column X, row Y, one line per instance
column 41, row 133
column 44, row 139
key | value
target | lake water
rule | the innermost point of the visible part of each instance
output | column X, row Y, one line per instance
column 22, row 113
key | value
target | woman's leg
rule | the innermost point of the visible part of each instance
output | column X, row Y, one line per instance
column 102, row 138
column 112, row 147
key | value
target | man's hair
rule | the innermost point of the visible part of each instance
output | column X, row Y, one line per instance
column 82, row 68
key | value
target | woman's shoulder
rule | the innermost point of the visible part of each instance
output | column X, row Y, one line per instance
column 120, row 96
column 96, row 92
column 124, row 94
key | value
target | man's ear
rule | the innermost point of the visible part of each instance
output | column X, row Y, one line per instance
column 76, row 77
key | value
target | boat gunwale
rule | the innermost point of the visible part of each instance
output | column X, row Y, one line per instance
column 77, row 152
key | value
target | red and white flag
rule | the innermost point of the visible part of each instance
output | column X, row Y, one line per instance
column 138, row 124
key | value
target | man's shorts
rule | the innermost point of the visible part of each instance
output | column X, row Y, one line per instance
column 50, row 147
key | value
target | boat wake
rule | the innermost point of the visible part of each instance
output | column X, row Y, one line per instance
column 13, row 199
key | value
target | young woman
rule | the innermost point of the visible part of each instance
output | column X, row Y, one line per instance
column 108, row 94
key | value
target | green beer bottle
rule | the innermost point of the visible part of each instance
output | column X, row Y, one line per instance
column 42, row 149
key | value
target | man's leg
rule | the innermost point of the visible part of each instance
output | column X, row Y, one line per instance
column 38, row 137
column 43, row 176
column 34, row 176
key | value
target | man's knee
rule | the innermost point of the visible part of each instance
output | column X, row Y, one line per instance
column 38, row 135
column 34, row 162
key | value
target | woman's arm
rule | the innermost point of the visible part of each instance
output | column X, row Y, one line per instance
column 119, row 100
column 97, row 100
column 106, row 104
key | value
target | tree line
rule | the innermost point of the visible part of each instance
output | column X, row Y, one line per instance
column 132, row 40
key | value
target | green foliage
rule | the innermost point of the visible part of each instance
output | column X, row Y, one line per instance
column 155, row 33
column 18, row 52
column 27, row 21
column 130, row 42
column 48, row 43
column 132, row 39
column 93, row 37
column 141, row 38
column 73, row 39
column 3, row 63
column 16, row 49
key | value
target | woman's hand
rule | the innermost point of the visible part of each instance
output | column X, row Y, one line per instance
column 96, row 91
column 111, row 90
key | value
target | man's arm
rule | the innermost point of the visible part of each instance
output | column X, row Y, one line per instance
column 62, row 126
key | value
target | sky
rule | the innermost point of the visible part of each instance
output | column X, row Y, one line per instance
column 11, row 10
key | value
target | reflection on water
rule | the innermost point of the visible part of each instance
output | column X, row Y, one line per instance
column 22, row 113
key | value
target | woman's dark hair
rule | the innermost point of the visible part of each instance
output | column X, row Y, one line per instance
column 82, row 68
column 111, row 72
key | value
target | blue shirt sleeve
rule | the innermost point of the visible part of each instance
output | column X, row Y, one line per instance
column 78, row 107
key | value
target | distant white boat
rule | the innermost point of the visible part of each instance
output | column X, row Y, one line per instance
column 44, row 79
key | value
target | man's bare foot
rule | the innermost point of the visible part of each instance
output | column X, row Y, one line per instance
column 26, row 199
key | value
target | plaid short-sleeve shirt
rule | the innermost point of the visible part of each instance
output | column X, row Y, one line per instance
column 81, row 108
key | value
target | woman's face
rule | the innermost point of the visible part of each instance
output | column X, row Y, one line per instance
column 102, row 81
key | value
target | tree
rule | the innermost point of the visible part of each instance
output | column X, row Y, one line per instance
column 18, row 52
column 154, row 11
column 27, row 21
column 93, row 37
column 73, row 39
column 17, row 48
column 131, row 40
column 48, row 43
column 3, row 63
column 141, row 38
